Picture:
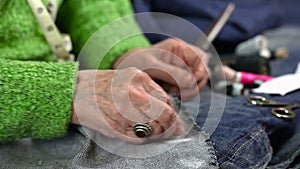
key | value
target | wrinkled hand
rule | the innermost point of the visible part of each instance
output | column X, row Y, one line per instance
column 112, row 101
column 181, row 67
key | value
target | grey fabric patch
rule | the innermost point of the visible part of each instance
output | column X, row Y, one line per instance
column 76, row 151
column 195, row 152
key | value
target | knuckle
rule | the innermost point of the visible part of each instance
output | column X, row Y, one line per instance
column 164, row 95
column 133, row 70
column 178, row 44
column 144, row 77
column 138, row 94
column 134, row 91
column 169, row 112
column 172, row 40
column 185, row 77
column 155, row 64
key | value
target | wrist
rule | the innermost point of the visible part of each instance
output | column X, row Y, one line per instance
column 117, row 62
column 74, row 117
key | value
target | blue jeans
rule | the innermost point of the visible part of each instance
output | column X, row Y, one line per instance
column 249, row 136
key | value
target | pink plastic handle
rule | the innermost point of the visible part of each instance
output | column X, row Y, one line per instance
column 247, row 77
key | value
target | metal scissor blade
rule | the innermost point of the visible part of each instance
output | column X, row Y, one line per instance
column 263, row 101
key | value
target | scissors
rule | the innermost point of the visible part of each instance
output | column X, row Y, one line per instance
column 282, row 110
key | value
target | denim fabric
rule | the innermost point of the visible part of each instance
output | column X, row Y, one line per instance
column 250, row 136
column 287, row 152
column 243, row 23
column 247, row 135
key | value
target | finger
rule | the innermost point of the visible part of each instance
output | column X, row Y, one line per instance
column 148, row 104
column 172, row 52
column 202, row 83
column 168, row 133
column 186, row 53
column 126, row 133
column 116, row 133
column 167, row 120
column 152, row 108
column 185, row 56
column 176, row 59
column 175, row 129
column 185, row 94
column 162, row 96
column 161, row 116
column 172, row 57
column 201, row 59
column 156, row 90
column 157, row 130
column 201, row 55
column 130, row 136
column 201, row 72
column 171, row 74
column 196, row 59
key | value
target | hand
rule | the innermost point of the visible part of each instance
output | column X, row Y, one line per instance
column 181, row 67
column 112, row 101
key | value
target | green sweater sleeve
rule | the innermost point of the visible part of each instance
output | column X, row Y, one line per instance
column 36, row 98
column 82, row 18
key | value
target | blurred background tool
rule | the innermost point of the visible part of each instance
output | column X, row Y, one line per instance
column 212, row 32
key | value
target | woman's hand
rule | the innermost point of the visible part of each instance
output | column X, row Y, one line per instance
column 112, row 101
column 180, row 67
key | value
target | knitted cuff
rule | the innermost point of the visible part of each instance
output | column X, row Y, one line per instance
column 88, row 16
column 36, row 98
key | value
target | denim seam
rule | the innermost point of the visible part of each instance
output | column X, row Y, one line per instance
column 232, row 147
column 252, row 138
column 229, row 149
column 266, row 157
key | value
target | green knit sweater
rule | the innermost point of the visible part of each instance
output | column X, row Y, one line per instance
column 36, row 93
